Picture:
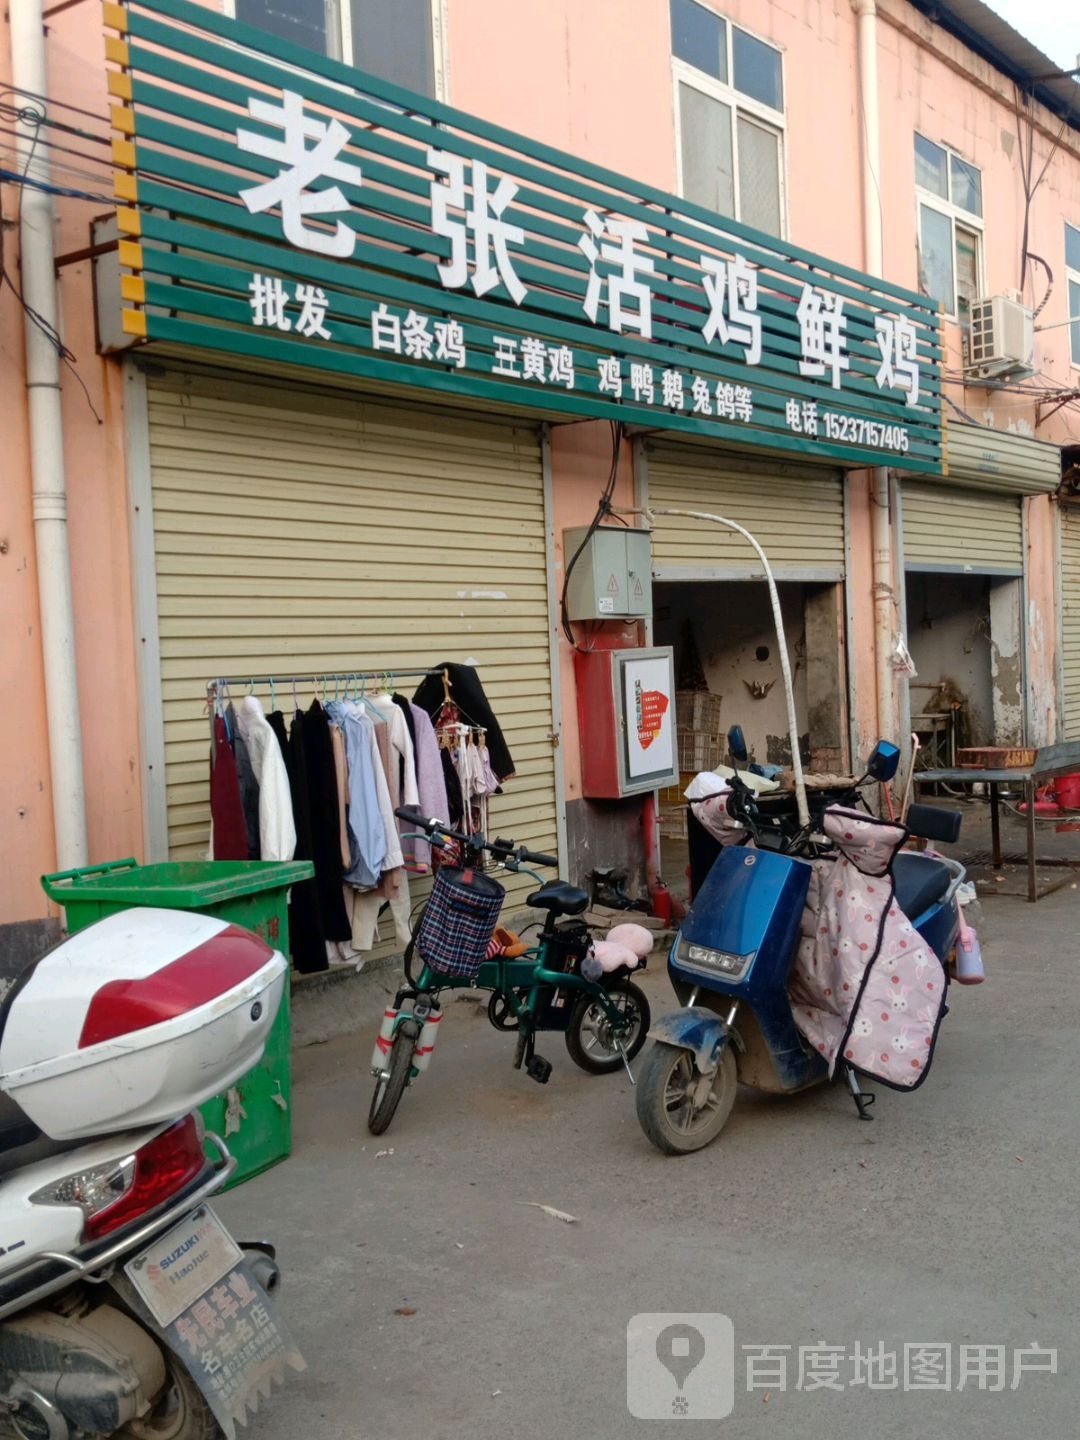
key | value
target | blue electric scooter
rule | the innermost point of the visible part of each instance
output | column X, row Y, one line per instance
column 731, row 960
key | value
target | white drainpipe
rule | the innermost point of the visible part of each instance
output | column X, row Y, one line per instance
column 872, row 202
column 47, row 450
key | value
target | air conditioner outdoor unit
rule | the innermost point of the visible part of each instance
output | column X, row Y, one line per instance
column 1002, row 338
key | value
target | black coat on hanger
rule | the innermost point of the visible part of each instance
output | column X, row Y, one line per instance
column 325, row 822
column 306, row 938
column 468, row 695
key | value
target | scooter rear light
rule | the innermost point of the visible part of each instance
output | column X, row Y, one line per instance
column 203, row 974
column 163, row 1169
column 123, row 1191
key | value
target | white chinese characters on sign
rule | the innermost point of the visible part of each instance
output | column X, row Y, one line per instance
column 732, row 290
column 629, row 298
column 269, row 297
column 409, row 335
column 290, row 190
column 482, row 218
column 898, row 342
column 268, row 300
column 822, row 335
column 309, row 181
column 450, row 343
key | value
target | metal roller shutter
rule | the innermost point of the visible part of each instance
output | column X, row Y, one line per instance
column 300, row 533
column 1070, row 620
column 795, row 511
column 949, row 529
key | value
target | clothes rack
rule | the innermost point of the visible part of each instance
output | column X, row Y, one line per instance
column 340, row 678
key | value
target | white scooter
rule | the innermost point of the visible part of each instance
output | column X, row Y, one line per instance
column 126, row 1308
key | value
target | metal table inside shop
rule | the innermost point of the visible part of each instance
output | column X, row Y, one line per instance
column 1051, row 762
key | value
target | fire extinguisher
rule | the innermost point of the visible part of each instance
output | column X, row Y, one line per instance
column 661, row 902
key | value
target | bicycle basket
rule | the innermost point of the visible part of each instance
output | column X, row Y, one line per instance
column 459, row 921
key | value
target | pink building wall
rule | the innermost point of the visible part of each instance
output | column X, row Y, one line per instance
column 99, row 544
column 594, row 79
column 26, row 823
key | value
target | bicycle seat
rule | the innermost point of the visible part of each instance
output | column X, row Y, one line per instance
column 559, row 898
column 920, row 882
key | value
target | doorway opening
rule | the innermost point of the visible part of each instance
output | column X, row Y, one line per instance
column 964, row 635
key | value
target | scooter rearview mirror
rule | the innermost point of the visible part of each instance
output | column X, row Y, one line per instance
column 737, row 745
column 883, row 762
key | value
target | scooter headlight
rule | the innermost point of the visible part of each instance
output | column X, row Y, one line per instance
column 706, row 960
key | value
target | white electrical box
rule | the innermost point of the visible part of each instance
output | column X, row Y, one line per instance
column 1002, row 338
column 612, row 577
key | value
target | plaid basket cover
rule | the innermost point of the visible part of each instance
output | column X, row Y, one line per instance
column 459, row 921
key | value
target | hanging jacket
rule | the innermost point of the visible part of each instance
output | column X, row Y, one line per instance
column 249, row 785
column 228, row 832
column 405, row 706
column 325, row 822
column 277, row 830
column 373, row 843
column 468, row 695
column 430, row 781
column 306, row 939
column 403, row 790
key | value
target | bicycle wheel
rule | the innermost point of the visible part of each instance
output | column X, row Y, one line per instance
column 390, row 1087
column 589, row 1037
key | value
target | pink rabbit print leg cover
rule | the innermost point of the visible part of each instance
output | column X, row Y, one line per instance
column 865, row 988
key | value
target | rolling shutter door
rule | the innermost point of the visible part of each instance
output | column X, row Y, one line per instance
column 795, row 511
column 949, row 529
column 300, row 533
column 1070, row 620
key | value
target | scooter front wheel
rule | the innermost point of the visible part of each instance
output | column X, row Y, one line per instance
column 678, row 1107
column 390, row 1086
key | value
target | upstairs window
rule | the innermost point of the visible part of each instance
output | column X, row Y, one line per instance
column 949, row 197
column 1072, row 278
column 729, row 117
column 395, row 40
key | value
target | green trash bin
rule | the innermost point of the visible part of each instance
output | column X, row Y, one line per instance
column 255, row 1115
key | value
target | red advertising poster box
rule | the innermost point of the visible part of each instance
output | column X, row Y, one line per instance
column 626, row 721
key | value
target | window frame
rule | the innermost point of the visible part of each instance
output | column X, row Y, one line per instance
column 339, row 16
column 682, row 72
column 1072, row 277
column 956, row 215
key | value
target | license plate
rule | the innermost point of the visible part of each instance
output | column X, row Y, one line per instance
column 178, row 1269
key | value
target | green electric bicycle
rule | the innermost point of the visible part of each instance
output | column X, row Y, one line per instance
column 604, row 1018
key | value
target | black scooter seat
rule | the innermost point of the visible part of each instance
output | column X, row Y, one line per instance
column 920, row 882
column 559, row 898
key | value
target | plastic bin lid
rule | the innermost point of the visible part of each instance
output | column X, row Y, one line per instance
column 179, row 884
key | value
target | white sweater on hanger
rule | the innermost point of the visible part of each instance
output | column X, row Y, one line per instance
column 401, row 741
column 277, row 831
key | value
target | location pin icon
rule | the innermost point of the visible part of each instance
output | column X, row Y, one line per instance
column 680, row 1349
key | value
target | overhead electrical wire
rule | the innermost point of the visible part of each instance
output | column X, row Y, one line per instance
column 52, row 102
column 21, row 179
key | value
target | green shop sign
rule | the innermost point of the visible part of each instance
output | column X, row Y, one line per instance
column 285, row 207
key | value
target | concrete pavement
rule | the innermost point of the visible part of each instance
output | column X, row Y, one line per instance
column 951, row 1219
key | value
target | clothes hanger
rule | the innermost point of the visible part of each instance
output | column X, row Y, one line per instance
column 273, row 696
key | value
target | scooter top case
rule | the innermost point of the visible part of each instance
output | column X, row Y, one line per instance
column 136, row 1020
